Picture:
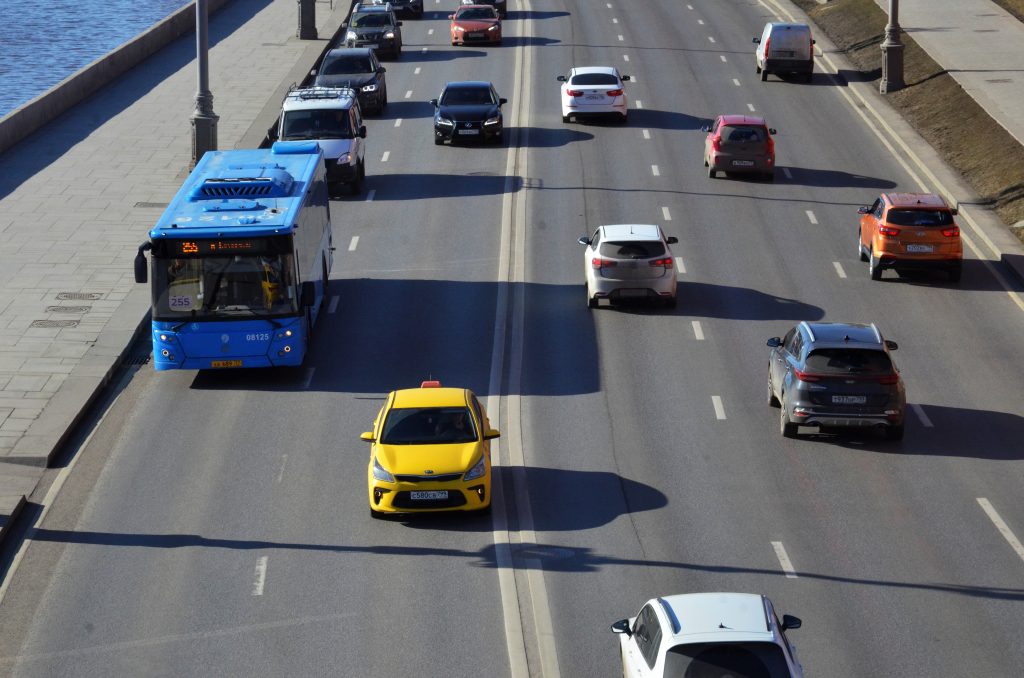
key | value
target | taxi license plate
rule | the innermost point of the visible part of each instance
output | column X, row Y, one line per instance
column 920, row 248
column 849, row 400
column 225, row 363
column 743, row 163
column 429, row 495
column 469, row 131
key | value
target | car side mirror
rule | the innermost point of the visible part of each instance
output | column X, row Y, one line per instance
column 891, row 345
column 367, row 436
column 863, row 210
column 308, row 295
column 502, row 101
column 756, row 41
column 584, row 240
column 775, row 342
column 625, row 78
column 622, row 626
column 398, row 23
column 562, row 78
column 313, row 72
column 344, row 24
column 141, row 268
column 671, row 240
column 705, row 128
column 814, row 42
column 492, row 433
column 382, row 70
column 433, row 102
column 451, row 16
column 955, row 211
column 362, row 131
column 790, row 622
column 771, row 130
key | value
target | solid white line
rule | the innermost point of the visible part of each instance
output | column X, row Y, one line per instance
column 711, row 39
column 353, row 243
column 384, row 158
column 647, row 134
column 751, row 107
column 639, row 104
column 261, row 576
column 787, row 565
column 371, row 194
column 430, row 32
column 722, row 57
column 736, row 81
column 417, row 71
column 1003, row 528
column 655, row 171
column 719, row 409
column 839, row 269
column 309, row 378
column 621, row 38
column 810, row 217
column 665, row 214
column 333, row 306
column 785, row 170
column 398, row 122
column 698, row 331
column 625, row 57
column 680, row 265
column 919, row 411
column 284, row 461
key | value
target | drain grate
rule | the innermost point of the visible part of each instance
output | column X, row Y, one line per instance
column 138, row 360
column 51, row 324
column 79, row 296
column 153, row 205
column 68, row 309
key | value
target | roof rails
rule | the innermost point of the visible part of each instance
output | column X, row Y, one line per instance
column 306, row 93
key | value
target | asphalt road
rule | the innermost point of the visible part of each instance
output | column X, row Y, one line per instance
column 216, row 524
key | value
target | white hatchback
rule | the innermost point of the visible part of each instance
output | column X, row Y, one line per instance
column 594, row 91
column 708, row 634
column 629, row 261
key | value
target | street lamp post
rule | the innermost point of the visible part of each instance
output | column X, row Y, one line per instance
column 892, row 49
column 307, row 20
column 204, row 120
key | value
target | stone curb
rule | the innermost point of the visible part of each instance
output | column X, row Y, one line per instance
column 8, row 519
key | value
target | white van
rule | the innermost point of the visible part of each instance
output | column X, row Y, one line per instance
column 785, row 48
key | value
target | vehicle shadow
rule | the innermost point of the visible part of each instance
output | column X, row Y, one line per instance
column 527, row 41
column 424, row 186
column 827, row 178
column 707, row 300
column 976, row 277
column 407, row 110
column 550, row 137
column 437, row 55
column 655, row 119
column 520, row 15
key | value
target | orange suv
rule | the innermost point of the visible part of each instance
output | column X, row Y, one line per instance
column 910, row 231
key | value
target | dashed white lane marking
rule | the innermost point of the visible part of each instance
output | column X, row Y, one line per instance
column 722, row 57
column 689, row 7
column 261, row 576
column 621, row 38
column 369, row 196
column 614, row 20
column 655, row 171
column 810, row 216
column 639, row 104
column 417, row 71
column 647, row 134
column 430, row 32
column 736, row 81
column 608, row 5
column 633, row 79
column 384, row 158
column 787, row 564
column 625, row 57
column 716, row 401
column 839, row 269
column 398, row 122
column 700, row 22
column 284, row 461
column 710, row 39
column 308, row 379
column 919, row 411
column 408, row 94
column 1003, row 528
column 698, row 331
column 751, row 107
column 353, row 243
column 333, row 306
column 680, row 266
column 785, row 170
column 665, row 214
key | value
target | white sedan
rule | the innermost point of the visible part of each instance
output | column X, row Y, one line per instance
column 708, row 634
column 593, row 91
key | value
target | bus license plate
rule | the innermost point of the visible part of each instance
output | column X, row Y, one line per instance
column 225, row 363
column 429, row 496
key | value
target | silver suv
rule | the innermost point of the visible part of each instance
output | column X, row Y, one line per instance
column 629, row 261
column 835, row 375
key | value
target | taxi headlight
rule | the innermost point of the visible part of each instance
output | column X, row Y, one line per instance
column 477, row 471
column 379, row 473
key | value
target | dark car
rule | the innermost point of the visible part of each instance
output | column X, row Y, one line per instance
column 468, row 110
column 358, row 68
column 374, row 26
column 835, row 375
column 500, row 5
column 413, row 7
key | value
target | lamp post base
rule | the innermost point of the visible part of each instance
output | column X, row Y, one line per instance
column 204, row 135
column 892, row 67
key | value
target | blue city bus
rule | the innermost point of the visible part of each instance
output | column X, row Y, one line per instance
column 240, row 260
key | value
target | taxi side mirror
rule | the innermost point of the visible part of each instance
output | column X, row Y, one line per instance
column 584, row 240
column 492, row 434
column 367, row 436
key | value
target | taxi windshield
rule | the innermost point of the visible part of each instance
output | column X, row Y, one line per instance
column 428, row 426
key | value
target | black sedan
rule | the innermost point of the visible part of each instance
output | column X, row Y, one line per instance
column 468, row 110
column 358, row 68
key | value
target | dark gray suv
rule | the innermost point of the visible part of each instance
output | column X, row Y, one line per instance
column 374, row 26
column 835, row 375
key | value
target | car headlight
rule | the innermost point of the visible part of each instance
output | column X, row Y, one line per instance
column 446, row 122
column 460, row 29
column 493, row 121
column 390, row 35
column 369, row 88
column 351, row 35
column 495, row 27
column 380, row 473
column 477, row 471
column 344, row 158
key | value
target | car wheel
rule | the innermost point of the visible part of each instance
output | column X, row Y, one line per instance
column 786, row 428
column 671, row 302
column 758, row 68
column 772, row 400
column 769, row 175
column 623, row 119
column 860, row 248
column 438, row 140
column 894, row 432
column 377, row 515
column 711, row 172
column 591, row 300
column 874, row 267
column 955, row 273
column 485, row 511
column 764, row 75
column 566, row 118
column 355, row 187
column 809, row 77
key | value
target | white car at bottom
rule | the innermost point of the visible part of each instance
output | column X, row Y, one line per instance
column 594, row 91
column 712, row 635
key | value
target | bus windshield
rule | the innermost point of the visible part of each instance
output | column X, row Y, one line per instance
column 224, row 287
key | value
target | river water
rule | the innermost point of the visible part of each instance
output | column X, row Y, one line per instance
column 45, row 41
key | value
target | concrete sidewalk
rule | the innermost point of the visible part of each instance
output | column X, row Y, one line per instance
column 78, row 197
column 980, row 44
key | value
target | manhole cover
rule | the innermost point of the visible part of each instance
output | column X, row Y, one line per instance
column 51, row 324
column 79, row 296
column 68, row 309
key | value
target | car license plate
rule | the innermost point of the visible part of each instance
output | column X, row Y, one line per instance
column 474, row 35
column 849, row 400
column 633, row 293
column 743, row 163
column 469, row 131
column 594, row 97
column 785, row 53
column 225, row 363
column 431, row 495
column 920, row 248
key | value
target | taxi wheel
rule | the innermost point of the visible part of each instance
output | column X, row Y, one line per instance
column 711, row 172
column 377, row 515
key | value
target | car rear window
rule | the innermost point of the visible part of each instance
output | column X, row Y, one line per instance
column 848, row 361
column 595, row 79
column 743, row 134
column 632, row 249
column 749, row 660
column 911, row 217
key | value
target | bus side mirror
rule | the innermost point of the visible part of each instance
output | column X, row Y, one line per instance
column 141, row 267
column 308, row 297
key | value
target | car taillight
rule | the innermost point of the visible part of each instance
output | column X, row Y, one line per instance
column 770, row 145
column 666, row 262
column 716, row 143
column 889, row 379
column 888, row 231
column 951, row 232
column 767, row 46
column 615, row 92
column 574, row 92
column 598, row 262
column 806, row 376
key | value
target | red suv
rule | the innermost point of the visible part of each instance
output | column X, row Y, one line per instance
column 739, row 143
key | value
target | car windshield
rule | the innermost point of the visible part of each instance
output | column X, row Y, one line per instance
column 913, row 217
column 848, row 361
column 428, row 426
column 316, row 124
column 632, row 249
column 343, row 65
column 467, row 96
column 595, row 79
column 726, row 660
column 476, row 13
column 743, row 134
column 371, row 20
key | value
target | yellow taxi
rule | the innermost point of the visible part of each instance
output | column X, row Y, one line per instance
column 430, row 451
